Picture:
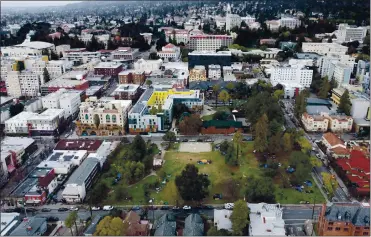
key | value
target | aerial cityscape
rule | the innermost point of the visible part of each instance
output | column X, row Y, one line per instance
column 185, row 118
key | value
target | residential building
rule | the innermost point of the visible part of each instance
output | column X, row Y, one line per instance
column 63, row 161
column 9, row 221
column 363, row 67
column 67, row 27
column 266, row 219
column 323, row 48
column 209, row 42
column 165, row 225
column 206, row 58
column 33, row 105
column 221, row 219
column 68, row 100
column 108, row 68
column 340, row 123
column 360, row 108
column 326, row 64
column 198, row 73
column 344, row 219
column 289, row 22
column 81, row 56
column 147, row 37
column 136, row 226
column 315, row 123
column 214, row 72
column 125, row 54
column 23, row 83
column 45, row 123
column 269, row 42
column 331, row 141
column 231, row 21
column 342, row 73
column 75, row 80
column 103, row 151
column 62, row 49
column 112, row 116
column 147, row 66
column 346, row 33
column 193, row 225
column 228, row 74
column 169, row 53
column 179, row 35
column 141, row 120
column 355, row 168
column 93, row 226
column 81, row 180
column 132, row 77
column 273, row 25
column 127, row 92
column 291, row 90
column 102, row 38
column 27, row 48
column 323, row 122
column 292, row 74
column 55, row 68
column 30, row 226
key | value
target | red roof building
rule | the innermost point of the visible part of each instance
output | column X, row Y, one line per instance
column 77, row 144
column 356, row 170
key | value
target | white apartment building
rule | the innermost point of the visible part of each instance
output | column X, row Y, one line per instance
column 324, row 48
column 346, row 33
column 25, row 83
column 323, row 122
column 169, row 52
column 291, row 89
column 27, row 48
column 220, row 22
column 289, row 22
column 86, row 38
column 209, row 42
column 147, row 37
column 214, row 72
column 147, row 66
column 112, row 115
column 62, row 49
column 82, row 57
column 273, row 25
column 324, row 63
column 231, row 21
column 291, row 74
column 179, row 34
column 125, row 54
column 68, row 100
column 340, row 72
column 248, row 19
column 228, row 74
column 55, row 68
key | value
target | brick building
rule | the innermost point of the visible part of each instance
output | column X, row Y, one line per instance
column 221, row 127
column 131, row 77
column 344, row 219
column 108, row 68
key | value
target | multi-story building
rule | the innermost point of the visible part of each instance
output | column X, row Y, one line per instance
column 346, row 33
column 344, row 219
column 273, row 25
column 315, row 123
column 291, row 90
column 86, row 38
column 209, row 42
column 27, row 48
column 68, row 100
column 55, row 68
column 63, row 161
column 231, row 21
column 324, row 48
column 81, row 180
column 132, row 77
column 169, row 52
column 127, row 92
column 142, row 120
column 125, row 54
column 179, row 35
column 214, row 72
column 198, row 73
column 147, row 66
column 82, row 56
column 326, row 64
column 289, row 22
column 363, row 67
column 342, row 73
column 23, row 83
column 266, row 219
column 323, row 122
column 108, row 68
column 228, row 74
column 205, row 58
column 292, row 74
column 147, row 37
column 103, row 117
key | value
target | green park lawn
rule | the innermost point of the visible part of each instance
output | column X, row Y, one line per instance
column 219, row 173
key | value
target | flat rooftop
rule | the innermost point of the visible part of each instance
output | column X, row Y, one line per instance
column 24, row 187
column 78, row 144
column 127, row 88
column 211, row 53
column 15, row 143
column 83, row 171
column 108, row 65
column 40, row 172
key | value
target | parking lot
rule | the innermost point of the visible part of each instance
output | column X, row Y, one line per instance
column 195, row 147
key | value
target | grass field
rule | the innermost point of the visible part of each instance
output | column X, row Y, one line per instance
column 219, row 175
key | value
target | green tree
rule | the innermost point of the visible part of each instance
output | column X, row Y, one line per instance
column 237, row 140
column 46, row 75
column 239, row 217
column 260, row 190
column 213, row 231
column 216, row 89
column 287, row 142
column 274, row 127
column 278, row 94
column 315, row 162
column 110, row 226
column 224, row 96
column 261, row 134
column 169, row 137
column 300, row 104
column 53, row 55
column 325, row 88
column 15, row 109
column 20, row 66
column 230, row 86
column 190, row 124
column 192, row 185
column 121, row 193
column 330, row 183
column 148, row 82
column 153, row 110
column 333, row 83
column 69, row 222
column 96, row 120
column 304, row 144
column 275, row 143
column 345, row 103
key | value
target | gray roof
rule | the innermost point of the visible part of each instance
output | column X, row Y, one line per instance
column 83, row 171
column 93, row 226
column 356, row 213
column 317, row 109
column 165, row 225
column 34, row 222
column 318, row 101
column 24, row 187
column 194, row 226
column 138, row 107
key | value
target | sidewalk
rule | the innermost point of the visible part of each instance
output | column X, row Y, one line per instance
column 319, row 186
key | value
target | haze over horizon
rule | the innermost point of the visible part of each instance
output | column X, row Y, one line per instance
column 15, row 4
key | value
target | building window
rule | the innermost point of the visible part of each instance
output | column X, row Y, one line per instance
column 329, row 228
column 365, row 233
column 331, row 223
column 337, row 228
column 358, row 228
column 86, row 117
column 108, row 118
column 114, row 118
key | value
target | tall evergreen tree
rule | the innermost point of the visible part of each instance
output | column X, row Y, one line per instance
column 46, row 75
column 345, row 104
column 261, row 134
column 300, row 104
column 325, row 88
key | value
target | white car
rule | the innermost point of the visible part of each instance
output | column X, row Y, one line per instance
column 186, row 208
column 107, row 208
column 95, row 208
column 228, row 206
column 74, row 208
column 318, row 156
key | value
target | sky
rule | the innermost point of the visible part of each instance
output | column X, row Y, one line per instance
column 34, row 3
